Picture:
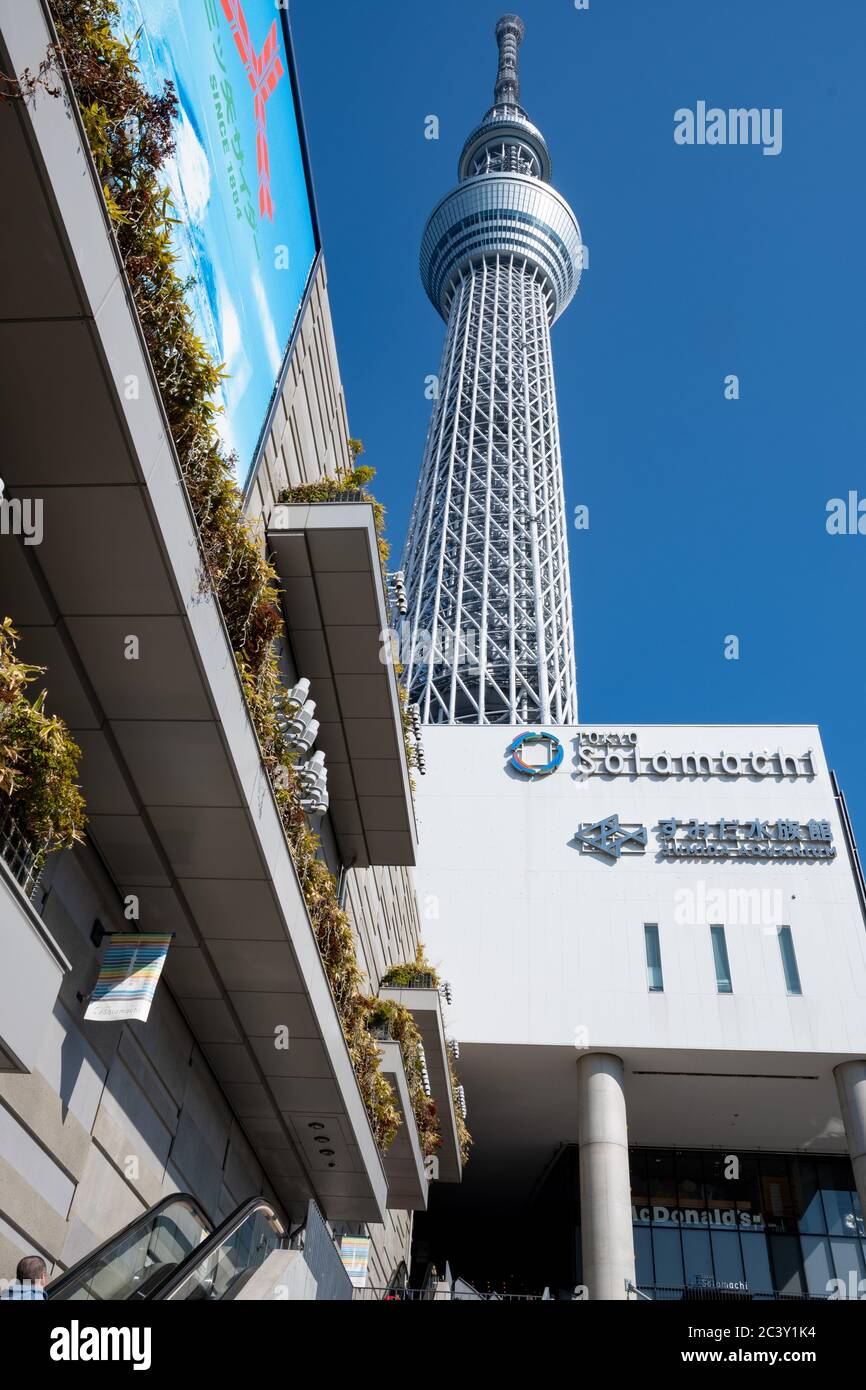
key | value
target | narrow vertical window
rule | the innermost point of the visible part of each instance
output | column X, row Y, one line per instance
column 653, row 957
column 720, row 959
column 789, row 961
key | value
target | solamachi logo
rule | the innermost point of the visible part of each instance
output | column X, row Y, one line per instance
column 553, row 754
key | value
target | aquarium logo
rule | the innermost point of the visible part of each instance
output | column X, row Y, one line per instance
column 609, row 839
column 547, row 745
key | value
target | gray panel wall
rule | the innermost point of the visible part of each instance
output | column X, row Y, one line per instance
column 309, row 434
column 113, row 1116
column 308, row 440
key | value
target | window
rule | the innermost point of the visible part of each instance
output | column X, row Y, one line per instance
column 654, row 979
column 789, row 961
column 786, row 1225
column 720, row 959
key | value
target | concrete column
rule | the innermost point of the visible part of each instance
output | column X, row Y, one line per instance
column 605, row 1187
column 851, row 1085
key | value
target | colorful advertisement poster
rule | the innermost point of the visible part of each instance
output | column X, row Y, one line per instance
column 128, row 976
column 355, row 1254
column 245, row 236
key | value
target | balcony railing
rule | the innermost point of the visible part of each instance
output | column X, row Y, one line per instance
column 389, row 1295
column 22, row 859
column 418, row 979
column 710, row 1293
column 643, row 1292
column 323, row 1259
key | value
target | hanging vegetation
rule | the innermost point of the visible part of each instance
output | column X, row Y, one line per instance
column 386, row 1013
column 38, row 759
column 353, row 486
column 416, row 974
column 130, row 132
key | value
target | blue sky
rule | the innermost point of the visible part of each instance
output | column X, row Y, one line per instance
column 707, row 516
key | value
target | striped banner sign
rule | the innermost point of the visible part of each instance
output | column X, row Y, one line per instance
column 355, row 1254
column 128, row 976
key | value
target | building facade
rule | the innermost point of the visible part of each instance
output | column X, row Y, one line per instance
column 101, row 1121
column 486, row 560
column 655, row 936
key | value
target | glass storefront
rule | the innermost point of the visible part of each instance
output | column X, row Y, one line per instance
column 773, row 1225
column 759, row 1225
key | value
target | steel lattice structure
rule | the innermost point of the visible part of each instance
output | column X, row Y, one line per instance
column 486, row 560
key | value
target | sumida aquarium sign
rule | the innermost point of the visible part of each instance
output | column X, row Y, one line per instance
column 755, row 839
column 749, row 839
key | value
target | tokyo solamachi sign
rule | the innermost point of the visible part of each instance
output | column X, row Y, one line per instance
column 608, row 753
column 619, row 755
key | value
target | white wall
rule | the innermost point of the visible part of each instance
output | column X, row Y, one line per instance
column 539, row 939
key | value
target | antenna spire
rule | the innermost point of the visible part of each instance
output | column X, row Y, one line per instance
column 509, row 36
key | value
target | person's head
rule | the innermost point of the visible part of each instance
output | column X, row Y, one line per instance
column 31, row 1270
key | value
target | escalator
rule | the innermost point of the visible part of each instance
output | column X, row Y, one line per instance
column 173, row 1252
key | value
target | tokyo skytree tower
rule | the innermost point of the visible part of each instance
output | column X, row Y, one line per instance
column 486, row 560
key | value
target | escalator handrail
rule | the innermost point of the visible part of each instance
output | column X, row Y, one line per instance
column 147, row 1217
column 213, row 1242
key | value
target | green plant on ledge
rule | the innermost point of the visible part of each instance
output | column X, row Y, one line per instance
column 349, row 484
column 38, row 759
column 406, row 976
column 130, row 135
column 402, row 1028
column 354, row 484
column 464, row 1138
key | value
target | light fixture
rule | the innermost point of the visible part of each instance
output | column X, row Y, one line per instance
column 299, row 726
column 397, row 581
column 313, row 777
column 300, row 692
column 296, row 717
column 425, row 1075
column 414, row 711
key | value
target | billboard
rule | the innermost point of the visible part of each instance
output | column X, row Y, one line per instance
column 245, row 237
